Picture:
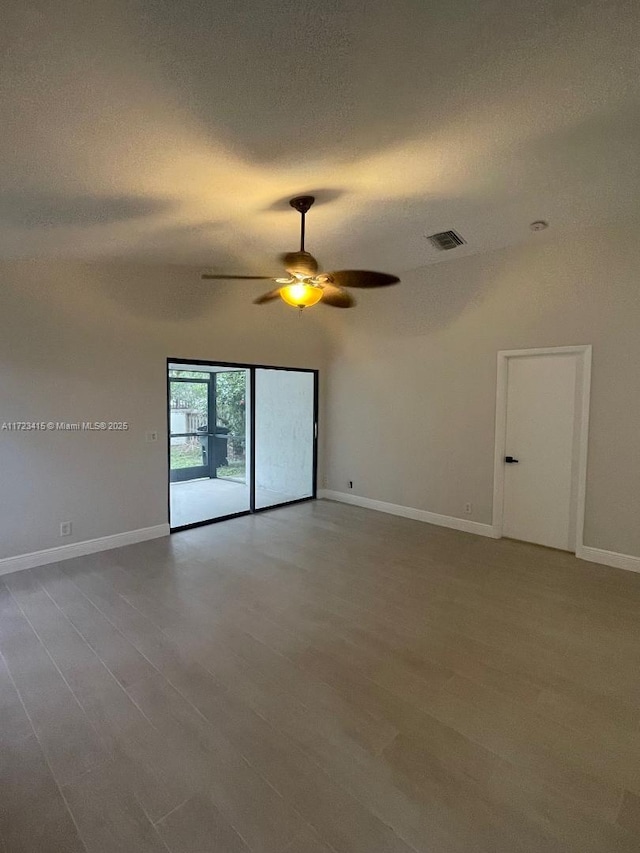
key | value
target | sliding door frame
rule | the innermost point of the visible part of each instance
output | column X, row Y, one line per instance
column 252, row 369
column 206, row 470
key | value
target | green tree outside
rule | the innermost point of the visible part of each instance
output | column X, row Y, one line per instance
column 230, row 400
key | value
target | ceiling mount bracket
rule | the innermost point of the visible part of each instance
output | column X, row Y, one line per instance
column 302, row 203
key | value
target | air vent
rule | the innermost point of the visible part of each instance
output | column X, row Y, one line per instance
column 446, row 240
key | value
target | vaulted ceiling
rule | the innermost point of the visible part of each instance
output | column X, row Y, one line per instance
column 176, row 129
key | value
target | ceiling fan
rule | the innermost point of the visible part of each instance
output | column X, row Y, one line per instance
column 305, row 286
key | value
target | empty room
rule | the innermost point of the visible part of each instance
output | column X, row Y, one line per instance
column 319, row 426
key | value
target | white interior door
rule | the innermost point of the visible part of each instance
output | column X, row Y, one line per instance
column 541, row 434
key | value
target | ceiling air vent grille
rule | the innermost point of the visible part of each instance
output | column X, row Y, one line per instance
column 446, row 240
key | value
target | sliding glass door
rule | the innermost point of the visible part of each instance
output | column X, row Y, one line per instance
column 208, row 440
column 284, row 437
column 241, row 439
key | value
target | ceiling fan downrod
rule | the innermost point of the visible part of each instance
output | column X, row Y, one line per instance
column 302, row 203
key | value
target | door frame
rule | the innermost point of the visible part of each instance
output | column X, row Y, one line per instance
column 251, row 368
column 584, row 353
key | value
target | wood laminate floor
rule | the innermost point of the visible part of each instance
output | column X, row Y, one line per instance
column 320, row 678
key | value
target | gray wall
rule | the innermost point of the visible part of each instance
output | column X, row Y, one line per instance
column 90, row 342
column 411, row 395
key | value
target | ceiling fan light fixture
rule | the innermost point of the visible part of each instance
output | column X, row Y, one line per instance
column 301, row 294
column 304, row 286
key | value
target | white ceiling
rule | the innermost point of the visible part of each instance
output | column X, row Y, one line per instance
column 174, row 129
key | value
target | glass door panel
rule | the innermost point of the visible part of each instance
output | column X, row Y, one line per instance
column 208, row 441
column 189, row 435
column 285, row 436
column 230, row 437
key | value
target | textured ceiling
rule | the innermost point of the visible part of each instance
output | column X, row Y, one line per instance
column 173, row 129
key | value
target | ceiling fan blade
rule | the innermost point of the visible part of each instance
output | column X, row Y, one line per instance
column 223, row 277
column 299, row 262
column 336, row 297
column 267, row 297
column 361, row 278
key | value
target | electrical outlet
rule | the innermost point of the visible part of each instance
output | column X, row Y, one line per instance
column 350, row 484
column 468, row 508
column 65, row 528
column 152, row 435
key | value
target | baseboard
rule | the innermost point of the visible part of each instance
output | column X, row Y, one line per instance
column 80, row 549
column 450, row 521
column 609, row 558
column 92, row 546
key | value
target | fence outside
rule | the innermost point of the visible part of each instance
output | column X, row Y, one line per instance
column 187, row 450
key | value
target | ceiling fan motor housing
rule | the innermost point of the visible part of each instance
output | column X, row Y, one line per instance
column 301, row 264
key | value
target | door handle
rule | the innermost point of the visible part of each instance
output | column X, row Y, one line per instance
column 510, row 460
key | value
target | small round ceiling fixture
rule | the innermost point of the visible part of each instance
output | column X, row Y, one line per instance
column 539, row 225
